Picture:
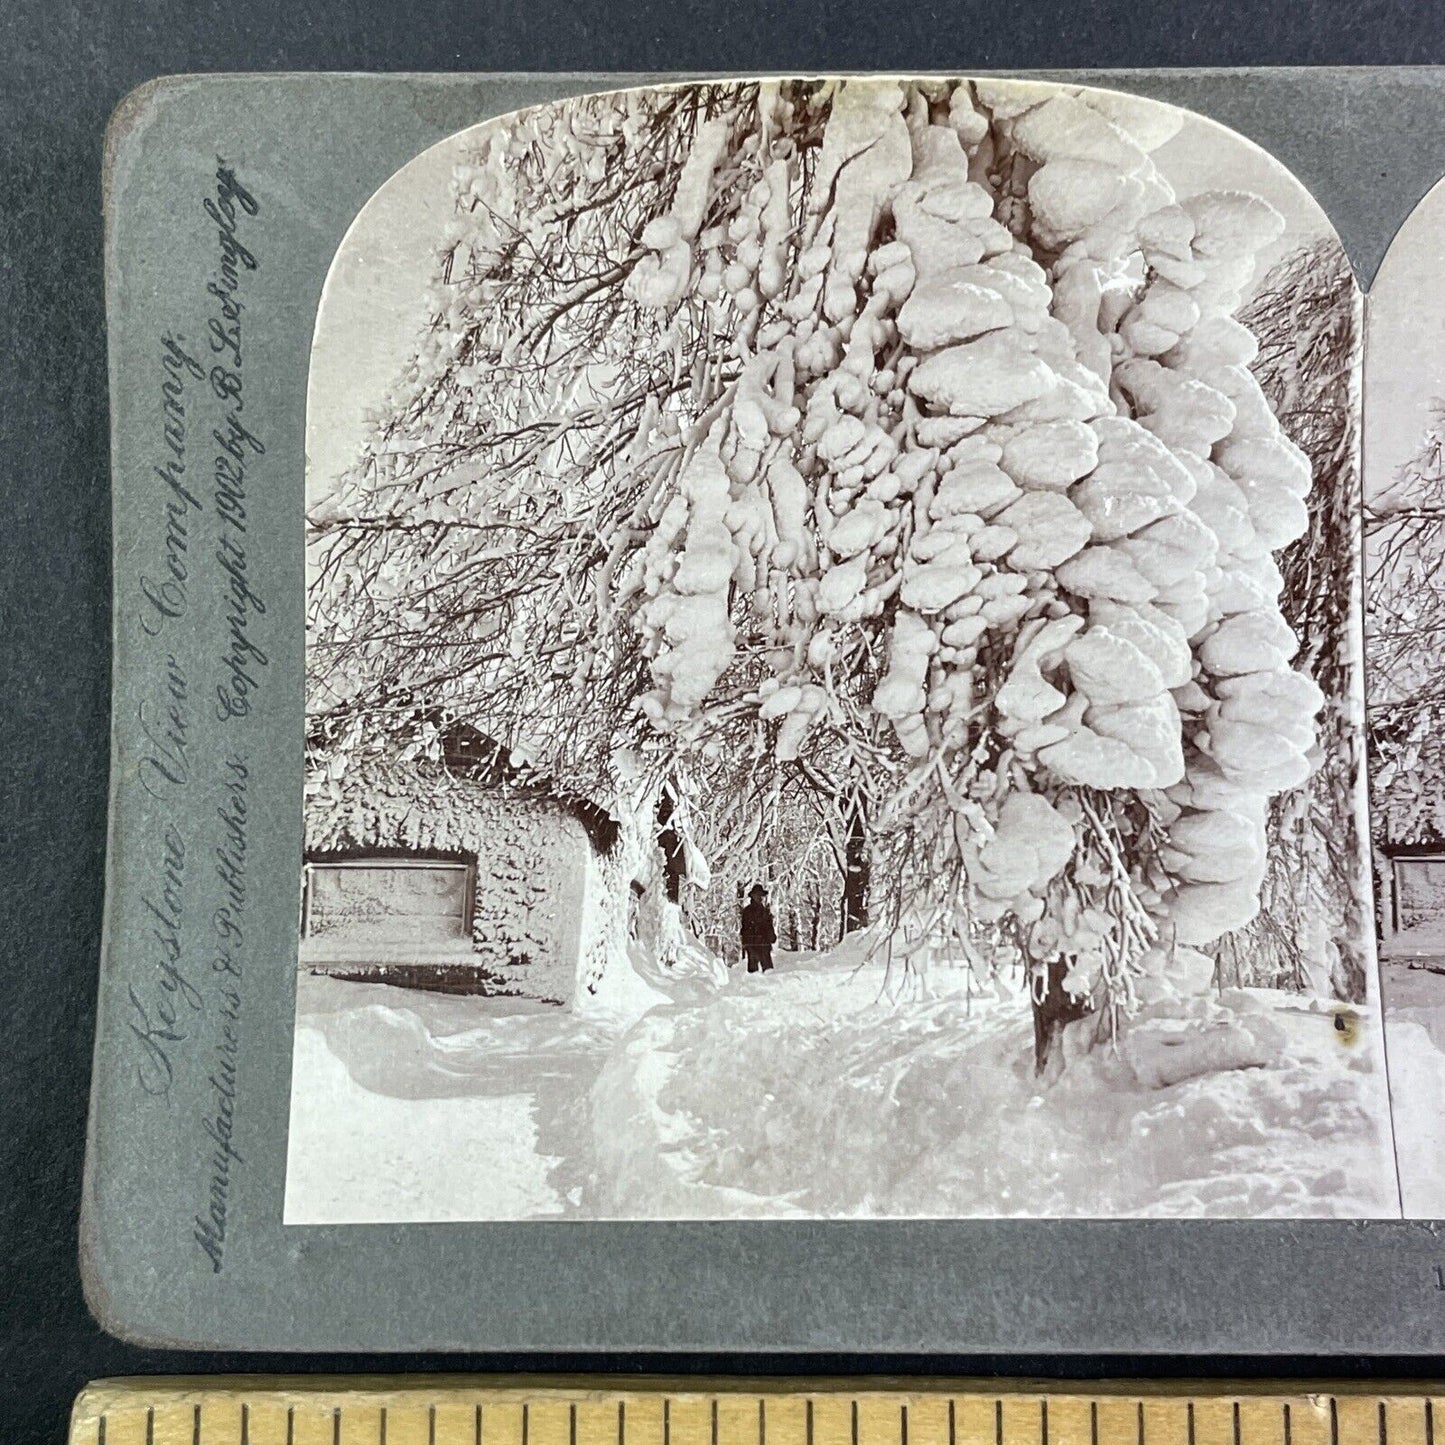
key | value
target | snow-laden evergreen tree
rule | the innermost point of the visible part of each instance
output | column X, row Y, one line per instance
column 1405, row 621
column 897, row 440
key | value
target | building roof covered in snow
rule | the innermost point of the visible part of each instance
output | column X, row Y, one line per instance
column 437, row 778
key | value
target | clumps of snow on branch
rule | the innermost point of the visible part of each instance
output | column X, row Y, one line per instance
column 662, row 276
column 686, row 624
column 1030, row 846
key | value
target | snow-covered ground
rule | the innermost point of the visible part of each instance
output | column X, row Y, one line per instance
column 1412, row 979
column 823, row 1089
column 409, row 1106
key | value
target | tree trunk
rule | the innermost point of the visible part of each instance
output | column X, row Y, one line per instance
column 1054, row 1007
column 853, row 913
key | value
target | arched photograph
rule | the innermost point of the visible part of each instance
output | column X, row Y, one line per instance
column 834, row 672
column 1404, row 526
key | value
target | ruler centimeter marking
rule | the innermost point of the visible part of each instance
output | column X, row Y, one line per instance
column 441, row 1411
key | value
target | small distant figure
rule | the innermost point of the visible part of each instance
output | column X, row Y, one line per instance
column 759, row 935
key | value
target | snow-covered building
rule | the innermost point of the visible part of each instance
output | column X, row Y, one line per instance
column 1412, row 885
column 462, row 873
column 1407, row 807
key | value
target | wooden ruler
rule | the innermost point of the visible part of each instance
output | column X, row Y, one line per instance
column 456, row 1410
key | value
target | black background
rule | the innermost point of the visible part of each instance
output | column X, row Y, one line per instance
column 62, row 70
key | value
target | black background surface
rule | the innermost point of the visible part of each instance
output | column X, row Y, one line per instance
column 62, row 70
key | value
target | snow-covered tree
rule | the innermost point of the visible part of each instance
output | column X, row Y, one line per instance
column 1312, row 928
column 1405, row 619
column 898, row 441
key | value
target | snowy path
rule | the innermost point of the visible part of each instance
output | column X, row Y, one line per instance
column 813, row 1093
column 816, row 1091
column 411, row 1106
